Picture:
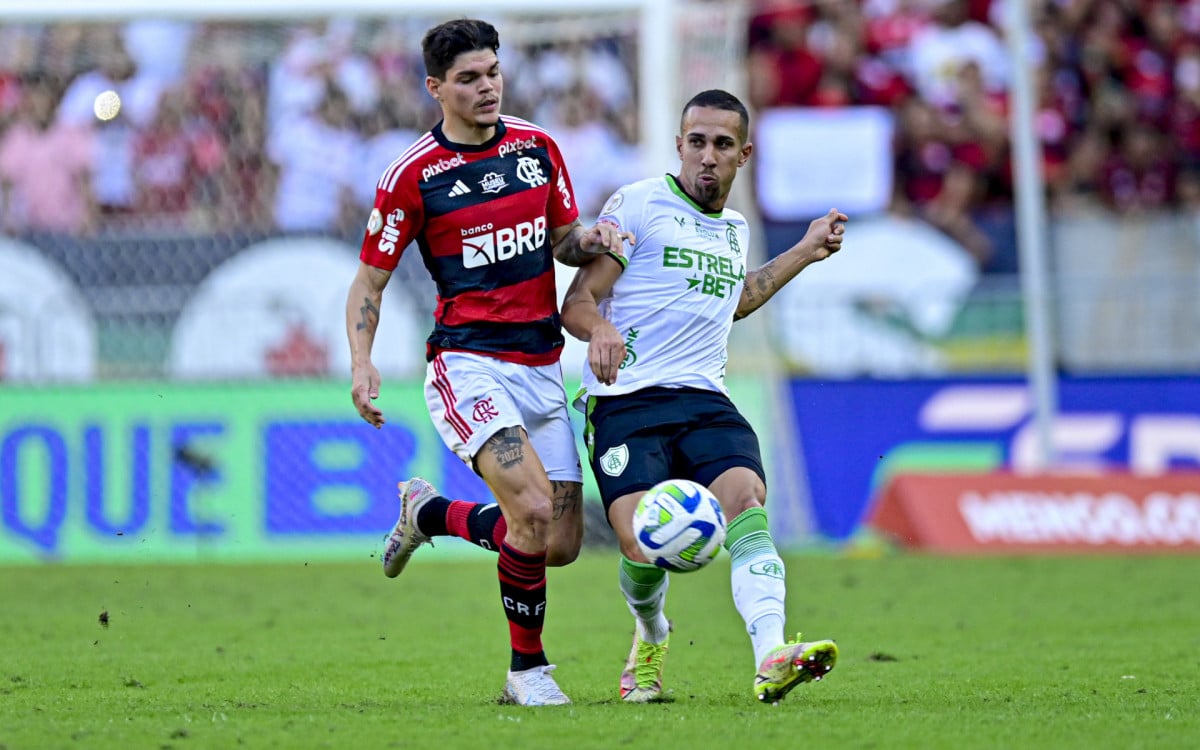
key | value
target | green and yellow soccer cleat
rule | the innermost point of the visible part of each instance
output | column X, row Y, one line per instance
column 791, row 664
column 641, row 682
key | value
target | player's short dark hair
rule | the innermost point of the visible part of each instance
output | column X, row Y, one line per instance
column 445, row 42
column 718, row 99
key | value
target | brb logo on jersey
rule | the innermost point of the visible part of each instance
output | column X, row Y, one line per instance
column 485, row 245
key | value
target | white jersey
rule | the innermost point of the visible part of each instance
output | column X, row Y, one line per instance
column 675, row 300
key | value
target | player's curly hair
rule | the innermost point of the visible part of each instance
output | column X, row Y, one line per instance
column 445, row 42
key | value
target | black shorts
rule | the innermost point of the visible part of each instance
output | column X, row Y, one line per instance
column 638, row 440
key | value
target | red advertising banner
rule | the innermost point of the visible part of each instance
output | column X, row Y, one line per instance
column 1012, row 513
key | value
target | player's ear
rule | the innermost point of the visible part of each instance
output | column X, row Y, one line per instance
column 679, row 145
column 433, row 86
column 745, row 155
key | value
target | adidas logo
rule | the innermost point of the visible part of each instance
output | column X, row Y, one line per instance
column 460, row 188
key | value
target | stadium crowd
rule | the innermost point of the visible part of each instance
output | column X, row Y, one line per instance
column 285, row 128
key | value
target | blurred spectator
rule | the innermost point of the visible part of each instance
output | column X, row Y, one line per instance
column 1184, row 115
column 942, row 182
column 582, row 133
column 783, row 71
column 159, row 48
column 45, row 166
column 174, row 157
column 18, row 57
column 385, row 137
column 1139, row 176
column 315, row 154
column 939, row 51
column 313, row 58
column 114, row 70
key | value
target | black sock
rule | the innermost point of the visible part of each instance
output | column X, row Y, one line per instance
column 523, row 593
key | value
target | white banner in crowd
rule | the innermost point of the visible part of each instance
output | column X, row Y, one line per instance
column 807, row 161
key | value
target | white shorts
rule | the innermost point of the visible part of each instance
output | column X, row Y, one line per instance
column 472, row 397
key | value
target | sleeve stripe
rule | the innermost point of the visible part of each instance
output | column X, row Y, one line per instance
column 390, row 175
column 518, row 123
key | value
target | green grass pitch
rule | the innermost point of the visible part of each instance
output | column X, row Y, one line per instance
column 1072, row 652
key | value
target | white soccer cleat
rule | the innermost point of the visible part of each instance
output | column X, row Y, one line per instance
column 405, row 536
column 533, row 687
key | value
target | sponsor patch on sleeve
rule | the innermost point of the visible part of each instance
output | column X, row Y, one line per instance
column 374, row 222
column 613, row 203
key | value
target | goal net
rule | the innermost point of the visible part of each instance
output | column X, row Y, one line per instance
column 233, row 148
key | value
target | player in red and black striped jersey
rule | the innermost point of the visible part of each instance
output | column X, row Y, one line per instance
column 488, row 203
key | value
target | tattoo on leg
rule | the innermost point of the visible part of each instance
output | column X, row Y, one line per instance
column 567, row 496
column 507, row 447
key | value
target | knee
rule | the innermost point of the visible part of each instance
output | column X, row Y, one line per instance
column 631, row 550
column 566, row 539
column 561, row 552
column 532, row 512
column 745, row 498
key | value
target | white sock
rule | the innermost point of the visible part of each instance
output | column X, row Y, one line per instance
column 647, row 600
column 757, row 579
column 766, row 635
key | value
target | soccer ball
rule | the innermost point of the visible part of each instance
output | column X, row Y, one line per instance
column 679, row 525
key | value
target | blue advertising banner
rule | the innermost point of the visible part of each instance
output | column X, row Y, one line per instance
column 857, row 434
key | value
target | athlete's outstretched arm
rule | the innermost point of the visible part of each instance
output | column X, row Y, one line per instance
column 582, row 319
column 823, row 238
column 362, row 319
column 576, row 246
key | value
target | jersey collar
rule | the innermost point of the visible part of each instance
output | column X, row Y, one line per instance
column 673, row 183
column 490, row 143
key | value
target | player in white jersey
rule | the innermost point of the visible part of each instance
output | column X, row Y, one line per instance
column 657, row 322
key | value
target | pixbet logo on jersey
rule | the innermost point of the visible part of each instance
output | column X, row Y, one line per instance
column 441, row 165
column 520, row 144
column 391, row 233
column 487, row 245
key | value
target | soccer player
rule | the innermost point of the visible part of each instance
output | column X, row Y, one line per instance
column 488, row 201
column 657, row 321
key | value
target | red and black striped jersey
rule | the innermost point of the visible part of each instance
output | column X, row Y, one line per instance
column 481, row 217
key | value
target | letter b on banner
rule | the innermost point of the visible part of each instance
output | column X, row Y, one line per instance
column 333, row 477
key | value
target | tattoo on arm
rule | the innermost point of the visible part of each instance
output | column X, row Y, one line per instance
column 567, row 496
column 569, row 250
column 370, row 316
column 507, row 447
column 761, row 284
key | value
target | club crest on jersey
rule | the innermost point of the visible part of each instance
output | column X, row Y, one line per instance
column 530, row 172
column 493, row 182
column 614, row 460
column 613, row 203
